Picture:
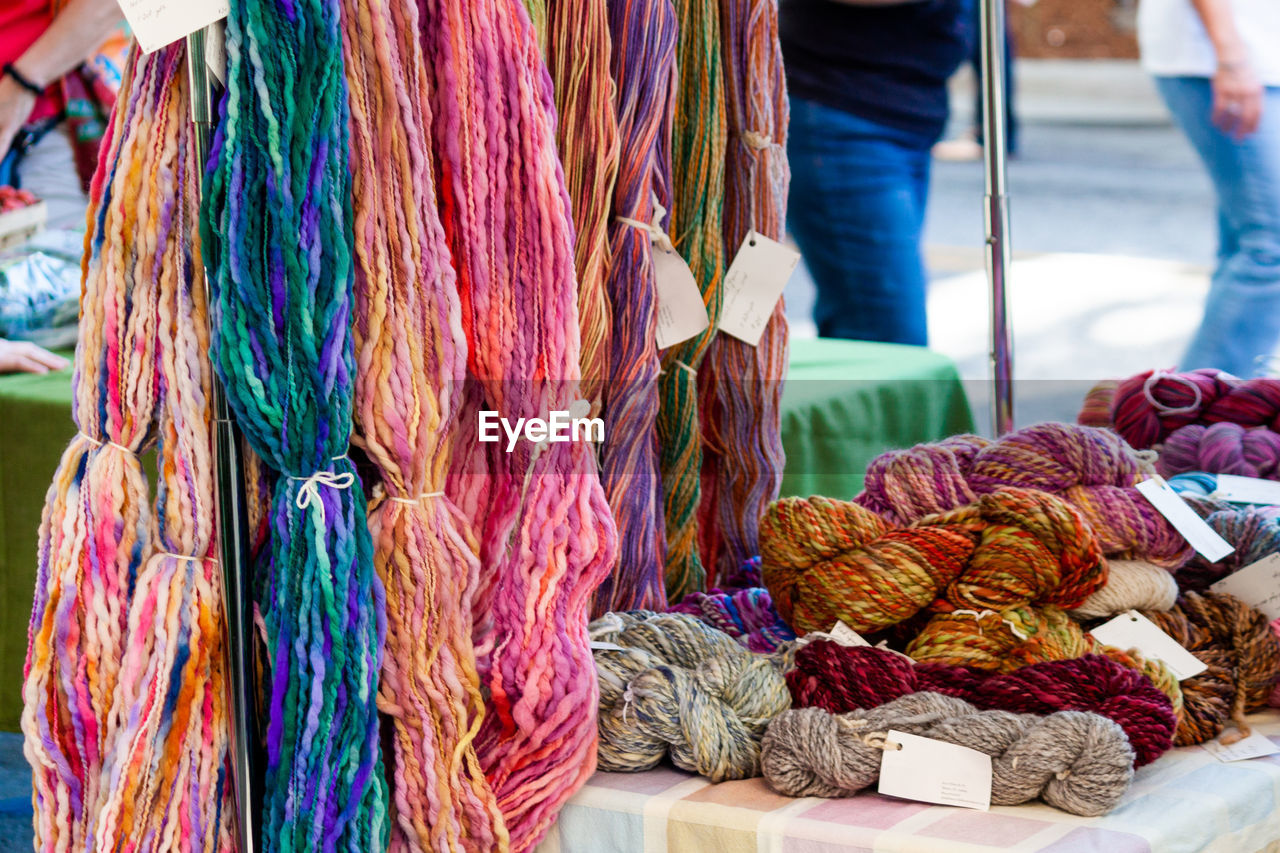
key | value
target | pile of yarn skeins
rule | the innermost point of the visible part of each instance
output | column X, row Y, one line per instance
column 954, row 598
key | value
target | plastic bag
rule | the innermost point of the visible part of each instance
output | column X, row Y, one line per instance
column 40, row 289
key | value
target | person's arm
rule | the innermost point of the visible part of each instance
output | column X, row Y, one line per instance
column 71, row 37
column 1237, row 94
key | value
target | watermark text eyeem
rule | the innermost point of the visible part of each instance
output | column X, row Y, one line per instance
column 561, row 426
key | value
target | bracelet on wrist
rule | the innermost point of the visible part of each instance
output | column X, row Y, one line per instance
column 22, row 80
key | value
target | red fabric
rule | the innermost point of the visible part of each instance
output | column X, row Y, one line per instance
column 21, row 23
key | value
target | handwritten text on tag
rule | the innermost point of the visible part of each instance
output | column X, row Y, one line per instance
column 157, row 23
column 1132, row 630
column 1257, row 585
column 931, row 771
column 681, row 312
column 753, row 284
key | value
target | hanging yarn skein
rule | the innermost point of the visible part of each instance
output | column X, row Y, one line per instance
column 670, row 685
column 547, row 536
column 643, row 66
column 1075, row 761
column 740, row 384
column 578, row 57
column 826, row 560
column 164, row 781
column 1090, row 468
column 95, row 532
column 276, row 226
column 411, row 364
column 698, row 145
column 841, row 679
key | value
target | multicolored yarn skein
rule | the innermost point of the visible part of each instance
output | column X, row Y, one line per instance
column 845, row 678
column 826, row 560
column 643, row 67
column 1222, row 448
column 697, row 166
column 1253, row 531
column 747, row 615
column 578, row 57
column 124, row 718
column 1148, row 408
column 671, row 685
column 276, row 226
column 546, row 534
column 1020, row 636
column 411, row 361
column 1243, row 658
column 741, row 385
column 1090, row 468
column 1076, row 761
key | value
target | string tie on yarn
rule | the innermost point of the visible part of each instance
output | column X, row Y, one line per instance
column 654, row 229
column 185, row 557
column 100, row 444
column 379, row 493
column 309, row 491
column 757, row 140
column 1163, row 408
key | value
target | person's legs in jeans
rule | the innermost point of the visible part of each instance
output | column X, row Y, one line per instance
column 1241, row 321
column 856, row 209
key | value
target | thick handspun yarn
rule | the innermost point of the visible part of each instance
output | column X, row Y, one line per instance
column 740, row 385
column 1076, row 761
column 1011, row 639
column 1254, row 531
column 1243, row 658
column 543, row 524
column 1148, row 408
column 747, row 615
column 276, row 226
column 411, row 362
column 841, row 678
column 1090, row 468
column 826, row 560
column 1131, row 585
column 1222, row 448
column 124, row 716
column 671, row 685
column 643, row 67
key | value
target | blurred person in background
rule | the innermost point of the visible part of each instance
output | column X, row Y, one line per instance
column 1217, row 66
column 60, row 65
column 968, row 146
column 868, row 87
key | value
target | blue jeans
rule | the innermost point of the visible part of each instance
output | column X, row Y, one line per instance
column 1241, row 324
column 856, row 209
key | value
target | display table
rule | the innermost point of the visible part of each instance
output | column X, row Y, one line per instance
column 1185, row 801
column 844, row 403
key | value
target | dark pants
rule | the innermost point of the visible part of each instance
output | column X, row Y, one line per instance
column 975, row 59
column 856, row 209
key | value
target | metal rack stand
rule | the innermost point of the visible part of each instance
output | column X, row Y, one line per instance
column 995, row 209
column 233, row 529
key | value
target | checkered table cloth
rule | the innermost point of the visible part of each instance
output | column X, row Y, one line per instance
column 1185, row 801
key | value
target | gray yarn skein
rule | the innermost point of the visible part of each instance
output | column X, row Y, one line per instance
column 1079, row 762
column 679, row 687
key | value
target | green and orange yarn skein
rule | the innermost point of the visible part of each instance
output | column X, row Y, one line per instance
column 827, row 560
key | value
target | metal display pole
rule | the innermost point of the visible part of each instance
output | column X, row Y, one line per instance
column 233, row 530
column 996, row 210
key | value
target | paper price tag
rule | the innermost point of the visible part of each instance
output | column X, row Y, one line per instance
column 681, row 312
column 1132, row 630
column 931, row 771
column 1257, row 585
column 840, row 634
column 753, row 284
column 157, row 23
column 597, row 646
column 1199, row 535
column 1255, row 745
column 1247, row 490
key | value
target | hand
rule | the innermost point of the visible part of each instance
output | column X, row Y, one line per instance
column 1237, row 99
column 16, row 104
column 24, row 357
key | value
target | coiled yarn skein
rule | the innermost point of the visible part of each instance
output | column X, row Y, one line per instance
column 1243, row 658
column 1091, row 469
column 747, row 615
column 1223, row 448
column 1078, row 762
column 1131, row 585
column 841, row 679
column 670, row 685
column 826, row 560
column 1149, row 407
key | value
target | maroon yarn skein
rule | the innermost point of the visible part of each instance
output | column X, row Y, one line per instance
column 845, row 678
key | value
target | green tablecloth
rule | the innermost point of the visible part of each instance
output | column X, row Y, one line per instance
column 844, row 402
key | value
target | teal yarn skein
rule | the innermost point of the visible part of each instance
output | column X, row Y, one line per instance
column 277, row 230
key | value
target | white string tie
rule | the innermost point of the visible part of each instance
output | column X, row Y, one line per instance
column 654, row 229
column 1157, row 376
column 309, row 491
